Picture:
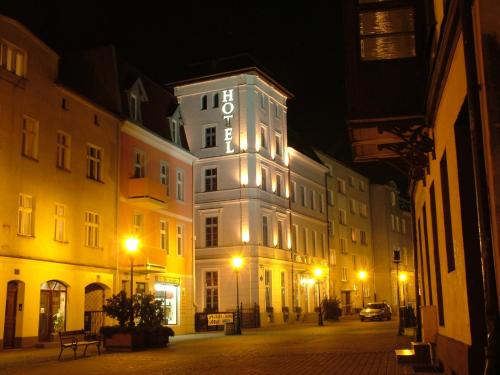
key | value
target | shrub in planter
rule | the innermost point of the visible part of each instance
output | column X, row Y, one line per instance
column 332, row 308
column 297, row 310
column 118, row 307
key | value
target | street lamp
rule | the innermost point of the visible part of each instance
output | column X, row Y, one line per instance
column 132, row 245
column 318, row 273
column 362, row 277
column 237, row 263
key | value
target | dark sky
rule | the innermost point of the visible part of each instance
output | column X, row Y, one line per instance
column 300, row 45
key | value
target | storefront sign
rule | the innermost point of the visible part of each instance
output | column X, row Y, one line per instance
column 219, row 319
column 227, row 111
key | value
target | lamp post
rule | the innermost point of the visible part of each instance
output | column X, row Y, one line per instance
column 402, row 278
column 362, row 277
column 237, row 263
column 132, row 245
column 318, row 273
column 397, row 260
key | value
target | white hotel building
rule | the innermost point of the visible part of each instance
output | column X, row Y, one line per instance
column 236, row 125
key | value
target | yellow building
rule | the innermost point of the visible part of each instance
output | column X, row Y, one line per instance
column 58, row 173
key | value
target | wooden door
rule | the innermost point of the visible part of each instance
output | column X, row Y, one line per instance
column 45, row 318
column 9, row 335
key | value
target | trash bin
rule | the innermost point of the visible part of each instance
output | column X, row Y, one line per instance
column 229, row 329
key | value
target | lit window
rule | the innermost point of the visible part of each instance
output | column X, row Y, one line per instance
column 30, row 138
column 387, row 34
column 92, row 227
column 63, row 150
column 180, row 185
column 139, row 164
column 210, row 136
column 60, row 223
column 94, row 162
column 25, row 215
column 180, row 240
column 13, row 58
column 211, row 231
column 211, row 179
column 164, row 235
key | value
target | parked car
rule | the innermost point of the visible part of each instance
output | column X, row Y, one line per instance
column 376, row 310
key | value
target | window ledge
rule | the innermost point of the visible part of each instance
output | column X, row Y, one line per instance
column 94, row 180
column 13, row 78
column 63, row 169
column 30, row 158
column 27, row 236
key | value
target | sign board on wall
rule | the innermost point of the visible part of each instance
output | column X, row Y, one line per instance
column 228, row 111
column 219, row 319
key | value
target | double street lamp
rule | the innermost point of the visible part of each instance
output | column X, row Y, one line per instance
column 237, row 263
column 362, row 277
column 318, row 274
column 132, row 245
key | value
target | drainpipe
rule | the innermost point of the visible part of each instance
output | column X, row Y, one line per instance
column 415, row 264
column 325, row 201
column 481, row 194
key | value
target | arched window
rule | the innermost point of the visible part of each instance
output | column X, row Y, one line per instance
column 204, row 102
column 215, row 100
column 52, row 309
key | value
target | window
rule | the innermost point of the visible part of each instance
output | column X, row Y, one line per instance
column 211, row 231
column 397, row 223
column 312, row 196
column 393, row 222
column 343, row 245
column 94, row 162
column 322, row 245
column 140, row 288
column 363, row 210
column 393, row 199
column 278, row 185
column 294, row 192
column 333, row 257
column 403, row 226
column 342, row 217
column 210, row 136
column 361, row 185
column 277, row 139
column 353, row 235
column 303, row 196
column 63, row 150
column 138, row 224
column 263, row 138
column 139, row 164
column 331, row 228
column 330, row 198
column 304, row 240
column 134, row 107
column 60, row 223
column 314, row 239
column 264, row 179
column 212, row 290
column 387, row 34
column 341, row 185
column 351, row 181
column 295, row 237
column 354, row 264
column 321, row 203
column 330, row 170
column 343, row 277
column 180, row 185
column 174, row 131
column 164, row 178
column 13, row 58
column 283, row 289
column 261, row 100
column 29, row 147
column 204, row 102
column 276, row 110
column 280, row 235
column 265, row 231
column 268, row 280
column 164, row 235
column 211, row 179
column 25, row 215
column 180, row 240
column 215, row 100
column 92, row 227
column 352, row 206
column 362, row 235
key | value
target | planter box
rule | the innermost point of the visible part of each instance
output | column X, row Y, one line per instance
column 124, row 342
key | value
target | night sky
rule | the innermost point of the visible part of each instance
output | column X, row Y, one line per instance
column 299, row 45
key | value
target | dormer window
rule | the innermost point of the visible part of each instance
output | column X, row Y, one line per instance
column 136, row 96
column 134, row 107
column 13, row 58
column 175, row 131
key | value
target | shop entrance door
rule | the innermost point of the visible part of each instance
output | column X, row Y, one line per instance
column 9, row 335
column 346, row 301
column 45, row 320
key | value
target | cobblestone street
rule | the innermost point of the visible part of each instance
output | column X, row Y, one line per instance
column 345, row 347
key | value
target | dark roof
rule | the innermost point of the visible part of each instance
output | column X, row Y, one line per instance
column 105, row 78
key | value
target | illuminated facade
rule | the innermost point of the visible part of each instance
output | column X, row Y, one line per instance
column 236, row 126
column 350, row 234
column 58, row 167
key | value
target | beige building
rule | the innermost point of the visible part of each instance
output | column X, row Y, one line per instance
column 392, row 238
column 350, row 234
column 58, row 173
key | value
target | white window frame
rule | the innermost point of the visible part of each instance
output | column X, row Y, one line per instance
column 206, row 128
column 134, row 107
column 139, row 164
column 60, row 223
column 94, row 162
column 212, row 179
column 164, row 176
column 213, row 226
column 25, row 215
column 164, row 235
column 30, row 135
column 343, row 245
column 13, row 58
column 268, row 285
column 92, row 229
column 179, row 239
column 179, row 183
column 63, row 150
column 343, row 276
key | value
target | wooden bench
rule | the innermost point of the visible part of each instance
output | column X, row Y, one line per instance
column 74, row 339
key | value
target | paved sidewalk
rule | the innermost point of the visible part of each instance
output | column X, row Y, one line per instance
column 344, row 347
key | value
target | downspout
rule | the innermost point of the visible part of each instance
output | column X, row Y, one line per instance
column 481, row 194
column 292, row 250
column 117, row 207
column 328, row 238
column 415, row 263
column 193, row 237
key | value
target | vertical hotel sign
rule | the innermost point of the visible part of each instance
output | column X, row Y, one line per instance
column 228, row 111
